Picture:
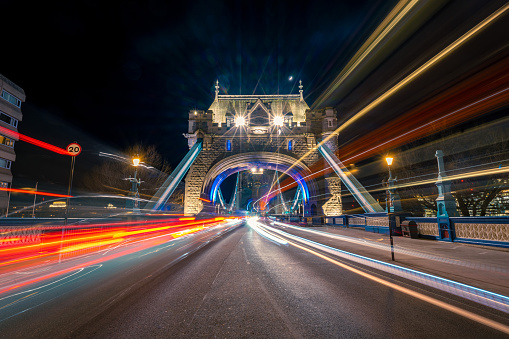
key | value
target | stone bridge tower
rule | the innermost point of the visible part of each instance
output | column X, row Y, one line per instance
column 239, row 132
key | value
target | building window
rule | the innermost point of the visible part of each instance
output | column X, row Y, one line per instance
column 290, row 145
column 289, row 120
column 229, row 120
column 4, row 184
column 11, row 98
column 330, row 123
column 6, row 141
column 228, row 145
column 4, row 163
column 8, row 119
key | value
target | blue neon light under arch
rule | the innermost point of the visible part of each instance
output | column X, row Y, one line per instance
column 292, row 173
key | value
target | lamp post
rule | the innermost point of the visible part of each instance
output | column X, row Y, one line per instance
column 388, row 204
column 135, row 183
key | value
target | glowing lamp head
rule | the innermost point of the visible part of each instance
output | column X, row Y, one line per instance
column 195, row 113
column 136, row 162
column 389, row 160
column 253, row 169
column 279, row 121
column 240, row 121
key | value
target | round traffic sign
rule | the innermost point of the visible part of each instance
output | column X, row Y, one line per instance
column 74, row 149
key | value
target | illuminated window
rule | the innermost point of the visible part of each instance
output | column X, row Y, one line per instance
column 11, row 98
column 228, row 145
column 229, row 120
column 289, row 120
column 8, row 119
column 5, row 163
column 330, row 123
column 290, row 145
column 4, row 184
column 6, row 141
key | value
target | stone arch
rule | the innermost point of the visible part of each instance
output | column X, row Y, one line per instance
column 266, row 160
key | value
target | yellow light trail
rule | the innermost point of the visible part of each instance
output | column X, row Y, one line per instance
column 475, row 174
column 396, row 15
column 464, row 313
column 426, row 66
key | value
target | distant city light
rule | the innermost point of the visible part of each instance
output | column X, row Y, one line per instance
column 240, row 121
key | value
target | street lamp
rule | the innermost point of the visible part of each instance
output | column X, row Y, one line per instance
column 135, row 183
column 388, row 204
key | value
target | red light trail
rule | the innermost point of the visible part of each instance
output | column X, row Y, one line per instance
column 17, row 190
column 18, row 136
column 20, row 250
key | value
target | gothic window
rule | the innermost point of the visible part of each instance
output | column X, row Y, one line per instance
column 290, row 145
column 228, row 145
column 289, row 120
column 229, row 120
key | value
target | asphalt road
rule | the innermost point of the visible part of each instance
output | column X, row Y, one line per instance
column 238, row 285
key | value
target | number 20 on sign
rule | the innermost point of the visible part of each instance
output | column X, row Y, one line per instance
column 74, row 149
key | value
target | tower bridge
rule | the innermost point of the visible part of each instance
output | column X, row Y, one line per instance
column 271, row 132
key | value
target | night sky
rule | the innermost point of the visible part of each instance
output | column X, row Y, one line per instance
column 112, row 74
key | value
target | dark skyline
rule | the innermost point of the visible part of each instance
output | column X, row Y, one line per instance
column 110, row 75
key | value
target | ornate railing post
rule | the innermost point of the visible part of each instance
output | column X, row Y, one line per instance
column 446, row 205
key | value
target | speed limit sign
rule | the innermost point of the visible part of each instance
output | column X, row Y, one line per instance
column 74, row 149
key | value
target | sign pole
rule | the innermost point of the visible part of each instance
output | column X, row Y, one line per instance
column 71, row 175
column 35, row 196
column 74, row 149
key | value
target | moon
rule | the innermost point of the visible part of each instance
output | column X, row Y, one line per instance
column 290, row 78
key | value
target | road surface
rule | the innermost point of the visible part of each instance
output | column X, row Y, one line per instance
column 242, row 284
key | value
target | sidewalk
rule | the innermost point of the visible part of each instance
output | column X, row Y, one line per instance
column 482, row 267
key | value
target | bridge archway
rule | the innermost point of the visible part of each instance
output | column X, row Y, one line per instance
column 266, row 160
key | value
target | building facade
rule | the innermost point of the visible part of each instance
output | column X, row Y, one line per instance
column 271, row 132
column 11, row 97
